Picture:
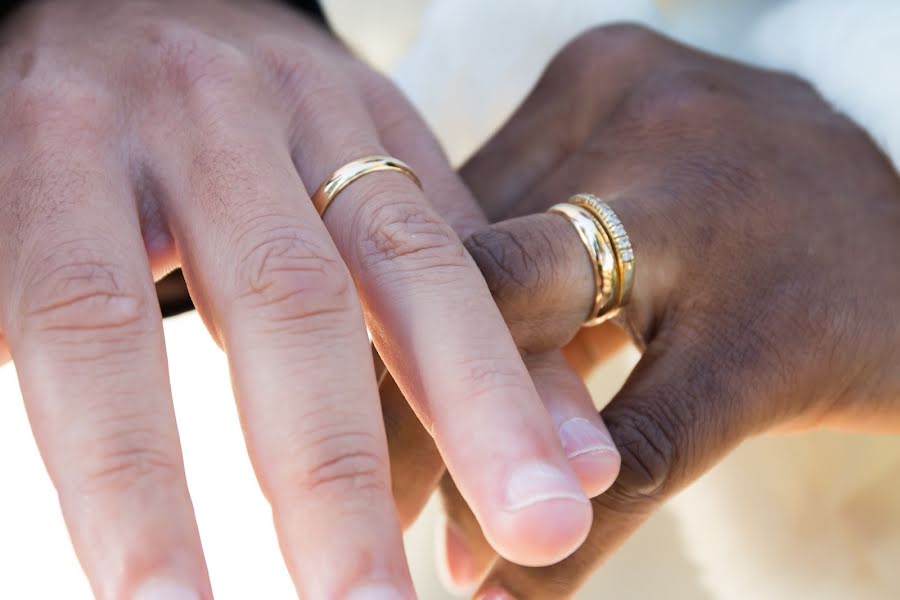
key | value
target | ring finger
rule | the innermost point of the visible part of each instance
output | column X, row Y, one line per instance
column 440, row 334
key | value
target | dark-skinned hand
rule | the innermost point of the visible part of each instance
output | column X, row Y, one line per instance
column 766, row 228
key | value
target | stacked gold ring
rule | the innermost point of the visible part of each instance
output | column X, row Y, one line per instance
column 609, row 248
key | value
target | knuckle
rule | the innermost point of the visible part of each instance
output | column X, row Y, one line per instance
column 346, row 470
column 681, row 96
column 796, row 83
column 293, row 278
column 790, row 86
column 614, row 42
column 193, row 63
column 62, row 107
column 325, row 102
column 632, row 36
column 292, row 66
column 403, row 233
column 126, row 460
column 647, row 442
column 486, row 377
column 614, row 53
column 396, row 117
column 82, row 291
column 331, row 460
column 303, row 80
column 382, row 95
column 507, row 265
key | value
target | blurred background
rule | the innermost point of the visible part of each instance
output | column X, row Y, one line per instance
column 806, row 516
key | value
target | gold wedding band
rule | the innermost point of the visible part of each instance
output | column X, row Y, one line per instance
column 620, row 241
column 599, row 250
column 352, row 171
column 609, row 249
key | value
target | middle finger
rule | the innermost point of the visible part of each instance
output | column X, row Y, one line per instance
column 274, row 292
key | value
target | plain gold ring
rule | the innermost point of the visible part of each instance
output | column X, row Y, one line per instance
column 599, row 249
column 609, row 249
column 621, row 243
column 352, row 171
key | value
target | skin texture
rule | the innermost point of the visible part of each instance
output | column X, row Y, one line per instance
column 753, row 205
column 766, row 228
column 141, row 136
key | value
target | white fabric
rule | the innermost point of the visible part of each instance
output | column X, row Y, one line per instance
column 471, row 61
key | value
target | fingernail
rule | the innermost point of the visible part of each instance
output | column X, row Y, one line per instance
column 460, row 562
column 579, row 436
column 165, row 589
column 376, row 591
column 495, row 594
column 537, row 482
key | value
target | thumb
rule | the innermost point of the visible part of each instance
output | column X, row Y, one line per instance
column 688, row 402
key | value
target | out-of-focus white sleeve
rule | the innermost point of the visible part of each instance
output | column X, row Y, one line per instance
column 849, row 50
column 474, row 60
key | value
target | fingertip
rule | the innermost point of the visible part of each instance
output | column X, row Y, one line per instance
column 596, row 471
column 165, row 589
column 592, row 454
column 544, row 533
column 546, row 516
column 495, row 593
column 455, row 561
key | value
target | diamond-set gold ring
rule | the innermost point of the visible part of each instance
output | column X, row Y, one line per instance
column 609, row 248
